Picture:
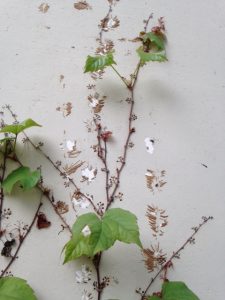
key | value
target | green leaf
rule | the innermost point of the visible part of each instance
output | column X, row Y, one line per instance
column 24, row 176
column 13, row 288
column 116, row 224
column 151, row 56
column 99, row 62
column 177, row 290
column 17, row 128
column 156, row 39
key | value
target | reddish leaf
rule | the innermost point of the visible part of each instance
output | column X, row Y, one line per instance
column 42, row 221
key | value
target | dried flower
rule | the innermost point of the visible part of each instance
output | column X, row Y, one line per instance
column 157, row 219
column 106, row 135
column 42, row 221
column 154, row 257
column 88, row 174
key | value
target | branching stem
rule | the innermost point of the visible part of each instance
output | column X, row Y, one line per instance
column 58, row 169
column 175, row 254
column 21, row 241
column 3, row 167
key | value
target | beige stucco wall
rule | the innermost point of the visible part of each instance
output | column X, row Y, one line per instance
column 179, row 104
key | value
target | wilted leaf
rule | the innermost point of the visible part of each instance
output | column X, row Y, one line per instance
column 42, row 221
column 117, row 224
column 151, row 56
column 13, row 288
column 17, row 128
column 156, row 39
column 99, row 62
column 24, row 176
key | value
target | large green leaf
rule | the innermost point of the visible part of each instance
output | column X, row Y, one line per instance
column 116, row 224
column 177, row 290
column 159, row 56
column 158, row 40
column 17, row 128
column 24, row 176
column 13, row 288
column 99, row 62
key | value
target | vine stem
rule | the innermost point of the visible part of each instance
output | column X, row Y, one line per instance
column 102, row 154
column 58, row 169
column 22, row 239
column 175, row 254
column 46, row 192
column 1, row 181
column 131, row 130
column 120, row 76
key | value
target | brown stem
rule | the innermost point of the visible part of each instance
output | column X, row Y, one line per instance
column 1, row 181
column 96, row 262
column 102, row 154
column 176, row 254
column 47, row 193
column 21, row 241
column 131, row 130
column 147, row 22
column 106, row 171
column 105, row 18
column 58, row 169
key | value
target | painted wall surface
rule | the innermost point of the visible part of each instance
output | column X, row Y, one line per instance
column 179, row 105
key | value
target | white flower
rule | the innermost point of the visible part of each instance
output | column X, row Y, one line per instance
column 149, row 144
column 83, row 275
column 82, row 203
column 94, row 102
column 89, row 174
column 86, row 231
column 70, row 145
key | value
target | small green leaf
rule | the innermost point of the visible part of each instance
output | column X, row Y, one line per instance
column 116, row 224
column 151, row 56
column 99, row 62
column 17, row 128
column 14, row 288
column 177, row 290
column 24, row 176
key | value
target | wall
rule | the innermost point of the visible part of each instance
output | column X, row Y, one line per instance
column 179, row 104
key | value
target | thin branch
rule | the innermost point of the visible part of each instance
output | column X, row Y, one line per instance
column 176, row 254
column 147, row 22
column 3, row 167
column 120, row 76
column 131, row 130
column 102, row 154
column 21, row 241
column 58, row 169
column 47, row 193
column 96, row 262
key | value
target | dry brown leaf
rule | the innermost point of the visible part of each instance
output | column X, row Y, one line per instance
column 81, row 5
column 44, row 7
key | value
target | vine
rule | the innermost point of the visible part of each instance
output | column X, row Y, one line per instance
column 94, row 232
